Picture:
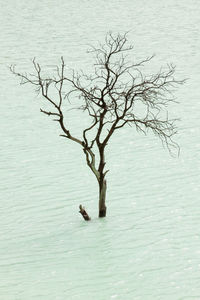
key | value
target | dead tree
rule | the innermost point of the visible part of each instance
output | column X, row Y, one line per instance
column 117, row 94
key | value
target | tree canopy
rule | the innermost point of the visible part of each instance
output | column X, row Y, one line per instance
column 116, row 94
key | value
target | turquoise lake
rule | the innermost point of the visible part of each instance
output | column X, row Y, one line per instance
column 148, row 246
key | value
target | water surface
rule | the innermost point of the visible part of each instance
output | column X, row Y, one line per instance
column 148, row 247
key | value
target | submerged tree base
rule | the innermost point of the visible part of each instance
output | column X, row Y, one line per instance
column 102, row 213
column 84, row 213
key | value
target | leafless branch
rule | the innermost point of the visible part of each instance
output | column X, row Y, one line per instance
column 110, row 97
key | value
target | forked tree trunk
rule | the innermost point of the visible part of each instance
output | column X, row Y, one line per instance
column 102, row 198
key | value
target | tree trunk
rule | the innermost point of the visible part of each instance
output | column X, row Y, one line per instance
column 102, row 198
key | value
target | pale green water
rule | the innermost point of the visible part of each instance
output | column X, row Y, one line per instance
column 148, row 247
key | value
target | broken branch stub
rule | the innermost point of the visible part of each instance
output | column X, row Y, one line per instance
column 84, row 213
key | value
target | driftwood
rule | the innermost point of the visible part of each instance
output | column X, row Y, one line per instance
column 84, row 213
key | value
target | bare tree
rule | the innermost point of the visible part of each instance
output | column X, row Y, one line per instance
column 115, row 95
